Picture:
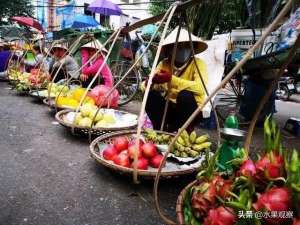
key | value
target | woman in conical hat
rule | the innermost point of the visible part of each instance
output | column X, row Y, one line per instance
column 187, row 91
column 69, row 64
column 90, row 70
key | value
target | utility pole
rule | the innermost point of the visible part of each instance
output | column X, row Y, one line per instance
column 51, row 15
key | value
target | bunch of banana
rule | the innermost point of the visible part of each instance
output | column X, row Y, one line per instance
column 154, row 137
column 190, row 145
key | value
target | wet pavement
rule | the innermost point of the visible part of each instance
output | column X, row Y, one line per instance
column 47, row 176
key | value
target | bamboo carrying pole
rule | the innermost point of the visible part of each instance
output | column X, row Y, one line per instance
column 142, row 112
column 267, row 95
column 250, row 52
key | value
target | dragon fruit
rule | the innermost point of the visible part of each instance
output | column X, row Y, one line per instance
column 203, row 199
column 247, row 169
column 270, row 166
column 220, row 216
column 222, row 186
column 296, row 221
column 275, row 199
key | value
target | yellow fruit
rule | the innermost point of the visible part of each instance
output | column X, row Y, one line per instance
column 88, row 100
column 193, row 137
column 60, row 101
column 108, row 118
column 72, row 103
column 100, row 124
column 98, row 116
column 78, row 93
column 85, row 122
column 202, row 139
column 78, row 118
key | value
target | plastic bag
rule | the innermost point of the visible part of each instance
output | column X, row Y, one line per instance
column 99, row 93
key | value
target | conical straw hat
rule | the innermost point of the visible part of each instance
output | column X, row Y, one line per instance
column 61, row 46
column 96, row 45
column 199, row 44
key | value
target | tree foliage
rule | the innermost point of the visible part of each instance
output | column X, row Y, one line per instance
column 14, row 8
column 224, row 15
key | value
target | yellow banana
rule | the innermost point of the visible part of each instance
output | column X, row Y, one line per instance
column 202, row 139
column 181, row 141
column 199, row 147
column 193, row 137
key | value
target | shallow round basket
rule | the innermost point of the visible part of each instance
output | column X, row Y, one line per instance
column 84, row 131
column 35, row 94
column 180, row 202
column 171, row 170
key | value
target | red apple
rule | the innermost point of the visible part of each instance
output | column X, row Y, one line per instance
column 109, row 152
column 122, row 159
column 149, row 150
column 121, row 143
column 142, row 164
column 131, row 151
column 155, row 161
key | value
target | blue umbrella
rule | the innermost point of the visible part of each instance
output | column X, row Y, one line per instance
column 105, row 7
column 82, row 21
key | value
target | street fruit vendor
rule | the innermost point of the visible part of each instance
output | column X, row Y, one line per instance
column 39, row 55
column 91, row 69
column 186, row 89
column 4, row 58
column 69, row 65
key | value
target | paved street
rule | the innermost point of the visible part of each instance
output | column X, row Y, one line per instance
column 48, row 178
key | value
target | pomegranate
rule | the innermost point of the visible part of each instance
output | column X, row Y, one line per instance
column 275, row 199
column 247, row 169
column 220, row 216
column 156, row 160
column 131, row 151
column 122, row 159
column 121, row 143
column 142, row 164
column 149, row 150
column 109, row 152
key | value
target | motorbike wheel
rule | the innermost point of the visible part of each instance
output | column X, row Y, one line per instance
column 283, row 93
column 297, row 87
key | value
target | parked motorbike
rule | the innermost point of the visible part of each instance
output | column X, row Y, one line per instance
column 288, row 86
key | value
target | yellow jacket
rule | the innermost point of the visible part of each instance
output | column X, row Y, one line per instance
column 188, row 80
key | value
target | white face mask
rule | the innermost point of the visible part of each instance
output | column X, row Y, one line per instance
column 182, row 56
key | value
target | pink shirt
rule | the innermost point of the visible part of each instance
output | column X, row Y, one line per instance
column 94, row 66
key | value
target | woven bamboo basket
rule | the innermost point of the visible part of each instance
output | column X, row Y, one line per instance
column 180, row 202
column 35, row 94
column 84, row 131
column 171, row 170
